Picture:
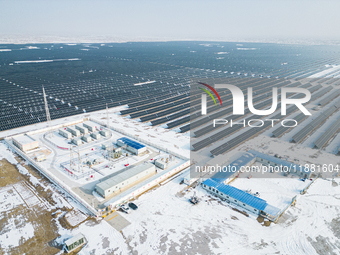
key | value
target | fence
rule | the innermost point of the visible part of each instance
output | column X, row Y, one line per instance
column 51, row 177
column 143, row 140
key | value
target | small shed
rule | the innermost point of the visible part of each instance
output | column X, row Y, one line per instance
column 86, row 138
column 161, row 164
column 96, row 135
column 83, row 130
column 75, row 242
column 65, row 134
column 106, row 146
column 40, row 157
column 73, row 131
column 76, row 141
column 90, row 126
column 105, row 133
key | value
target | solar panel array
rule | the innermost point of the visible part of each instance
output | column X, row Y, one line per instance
column 151, row 78
column 298, row 137
column 327, row 135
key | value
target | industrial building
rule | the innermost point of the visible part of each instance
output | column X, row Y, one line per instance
column 114, row 183
column 230, row 171
column 75, row 242
column 76, row 141
column 86, row 138
column 242, row 199
column 161, row 164
column 132, row 146
column 292, row 168
column 105, row 133
column 65, row 134
column 83, row 130
column 96, row 135
column 25, row 143
column 90, row 126
column 73, row 131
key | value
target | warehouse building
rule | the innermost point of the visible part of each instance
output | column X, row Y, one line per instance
column 73, row 131
column 90, row 126
column 96, row 135
column 244, row 200
column 25, row 143
column 76, row 141
column 112, row 184
column 132, row 146
column 82, row 130
column 65, row 134
column 86, row 138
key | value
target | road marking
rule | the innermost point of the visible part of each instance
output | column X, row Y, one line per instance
column 112, row 217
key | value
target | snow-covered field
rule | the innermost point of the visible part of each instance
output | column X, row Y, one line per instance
column 166, row 223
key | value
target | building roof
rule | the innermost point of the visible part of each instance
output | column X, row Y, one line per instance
column 72, row 128
column 131, row 143
column 74, row 239
column 24, row 139
column 272, row 210
column 233, row 167
column 279, row 161
column 112, row 180
column 238, row 194
column 90, row 124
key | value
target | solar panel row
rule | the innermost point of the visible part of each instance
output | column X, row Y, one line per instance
column 327, row 135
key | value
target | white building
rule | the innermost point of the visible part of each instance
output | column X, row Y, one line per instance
column 90, row 126
column 83, row 130
column 161, row 164
column 73, row 131
column 25, row 142
column 112, row 184
column 96, row 135
column 76, row 141
column 86, row 138
column 65, row 133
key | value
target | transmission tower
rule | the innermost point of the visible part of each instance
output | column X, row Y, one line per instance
column 72, row 168
column 80, row 164
column 48, row 117
column 107, row 118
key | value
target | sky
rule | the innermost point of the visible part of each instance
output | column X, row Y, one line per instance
column 172, row 20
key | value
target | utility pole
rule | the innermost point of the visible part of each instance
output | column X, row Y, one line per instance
column 48, row 117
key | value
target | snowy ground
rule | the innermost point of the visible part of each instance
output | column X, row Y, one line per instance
column 166, row 223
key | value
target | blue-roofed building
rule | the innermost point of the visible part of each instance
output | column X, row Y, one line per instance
column 242, row 199
column 132, row 146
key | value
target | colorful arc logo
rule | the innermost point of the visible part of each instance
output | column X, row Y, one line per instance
column 213, row 90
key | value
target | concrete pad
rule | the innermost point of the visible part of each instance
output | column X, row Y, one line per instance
column 117, row 221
